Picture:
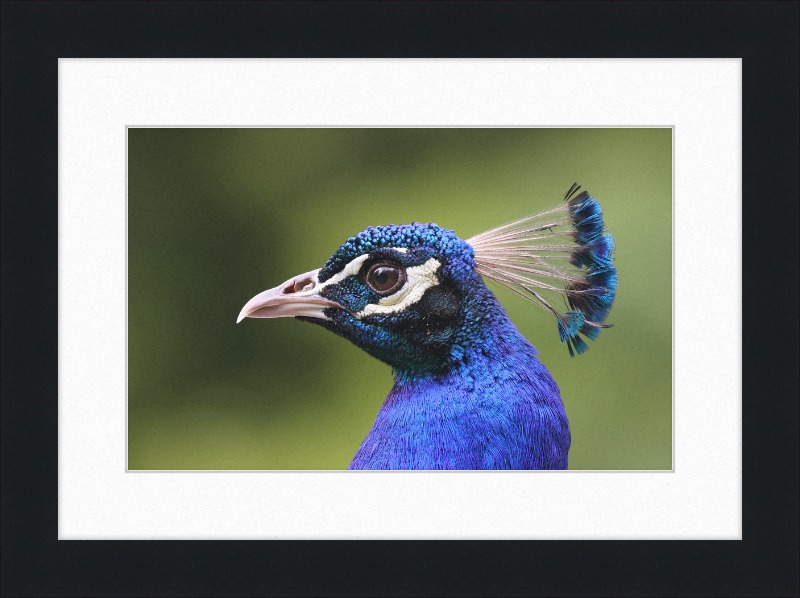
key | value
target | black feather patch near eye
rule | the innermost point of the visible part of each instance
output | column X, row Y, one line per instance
column 385, row 279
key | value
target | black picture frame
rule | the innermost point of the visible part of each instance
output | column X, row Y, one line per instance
column 36, row 34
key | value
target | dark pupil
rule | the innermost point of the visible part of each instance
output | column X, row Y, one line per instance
column 384, row 278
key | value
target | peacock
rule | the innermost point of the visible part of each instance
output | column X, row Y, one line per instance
column 469, row 391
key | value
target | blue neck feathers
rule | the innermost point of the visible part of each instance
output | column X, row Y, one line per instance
column 496, row 407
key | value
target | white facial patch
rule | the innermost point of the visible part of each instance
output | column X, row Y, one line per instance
column 351, row 269
column 418, row 280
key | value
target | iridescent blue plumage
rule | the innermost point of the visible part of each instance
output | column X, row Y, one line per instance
column 469, row 391
column 498, row 409
column 594, row 253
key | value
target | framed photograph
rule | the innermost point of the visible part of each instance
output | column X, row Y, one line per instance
column 156, row 447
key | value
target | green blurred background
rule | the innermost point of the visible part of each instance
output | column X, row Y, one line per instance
column 218, row 215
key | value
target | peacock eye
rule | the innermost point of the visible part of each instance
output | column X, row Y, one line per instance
column 385, row 279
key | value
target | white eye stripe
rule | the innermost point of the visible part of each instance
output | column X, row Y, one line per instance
column 418, row 280
column 351, row 269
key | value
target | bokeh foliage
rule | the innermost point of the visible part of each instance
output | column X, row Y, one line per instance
column 218, row 215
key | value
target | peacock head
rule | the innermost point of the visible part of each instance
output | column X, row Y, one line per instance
column 398, row 292
column 413, row 295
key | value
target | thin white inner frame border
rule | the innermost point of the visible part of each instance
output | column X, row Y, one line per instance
column 99, row 98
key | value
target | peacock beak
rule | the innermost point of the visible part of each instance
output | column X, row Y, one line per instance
column 298, row 296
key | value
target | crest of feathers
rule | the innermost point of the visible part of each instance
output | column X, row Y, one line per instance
column 560, row 260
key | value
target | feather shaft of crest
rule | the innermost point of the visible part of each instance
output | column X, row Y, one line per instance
column 522, row 264
column 533, row 297
column 494, row 232
column 510, row 236
column 522, row 248
column 526, row 281
column 518, row 280
column 549, row 236
column 537, row 272
column 527, row 256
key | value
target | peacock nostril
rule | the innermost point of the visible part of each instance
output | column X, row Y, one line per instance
column 297, row 286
